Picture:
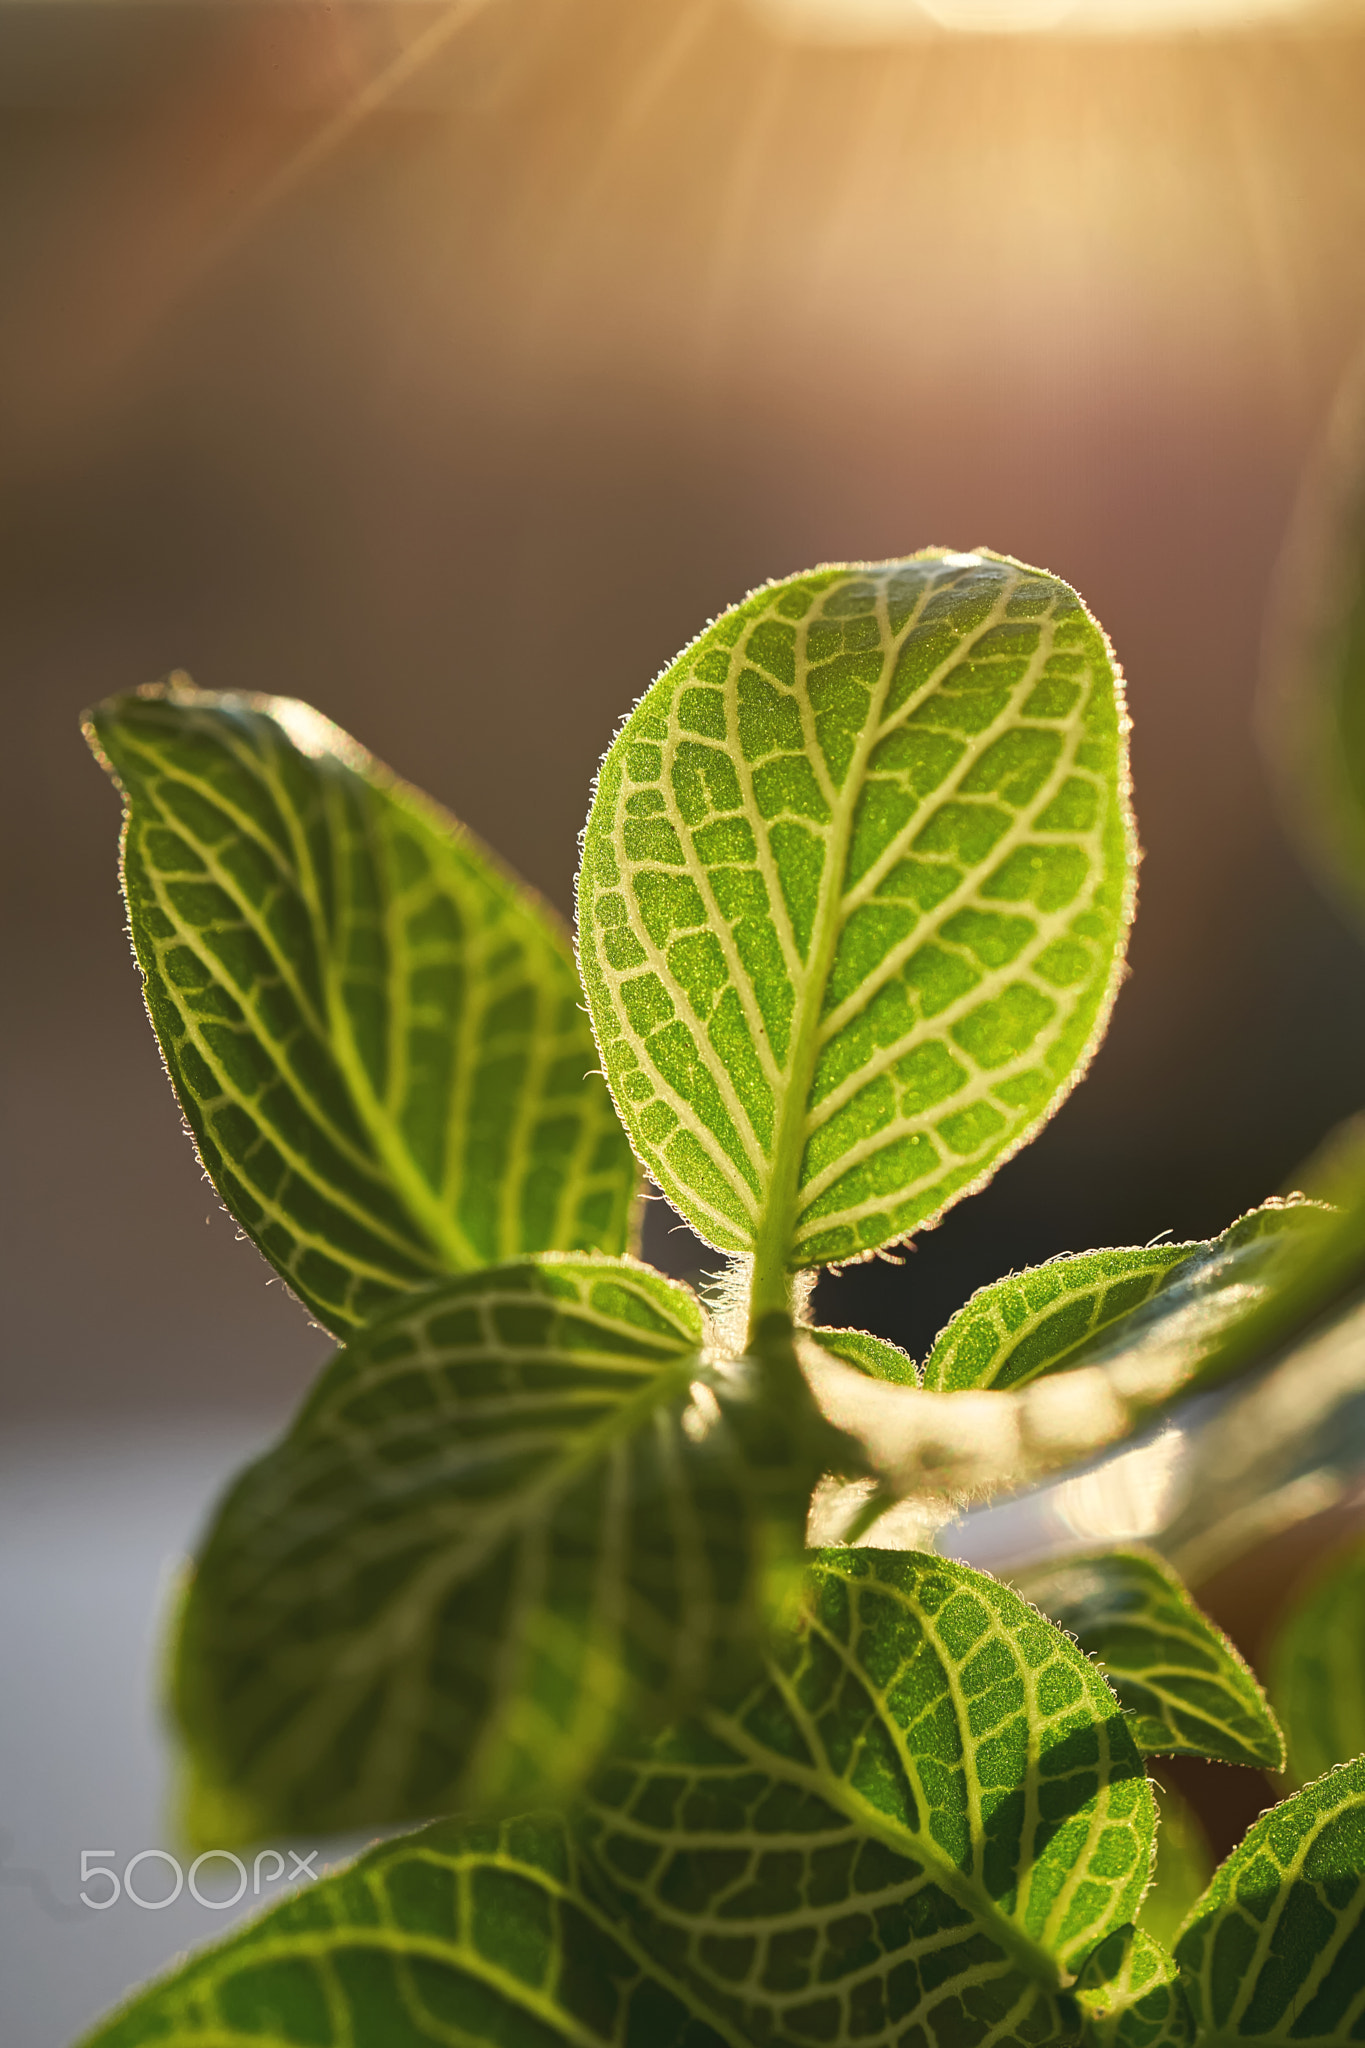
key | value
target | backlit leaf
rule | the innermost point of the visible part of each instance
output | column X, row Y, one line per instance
column 927, row 1815
column 1129, row 1993
column 853, row 898
column 373, row 1030
column 1188, row 1689
column 458, row 1937
column 1316, row 1668
column 874, row 1356
column 522, row 1510
column 1276, row 1949
column 1096, row 1306
column 1039, row 1320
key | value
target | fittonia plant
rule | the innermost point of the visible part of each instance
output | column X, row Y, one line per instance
column 855, row 889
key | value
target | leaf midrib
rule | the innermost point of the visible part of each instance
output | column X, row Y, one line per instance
column 919, row 1848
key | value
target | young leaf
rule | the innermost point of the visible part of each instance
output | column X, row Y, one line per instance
column 485, row 1937
column 853, row 898
column 1129, row 1994
column 1183, row 1867
column 1275, row 1951
column 874, row 1356
column 373, row 1030
column 1190, row 1692
column 520, row 1511
column 1093, row 1307
column 927, row 1814
column 1317, row 1668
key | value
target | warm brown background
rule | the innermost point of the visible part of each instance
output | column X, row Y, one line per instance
column 461, row 421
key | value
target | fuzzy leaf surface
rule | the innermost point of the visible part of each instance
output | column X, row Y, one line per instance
column 875, row 1356
column 1317, row 1668
column 1129, row 1993
column 1275, row 1951
column 1190, row 1691
column 926, row 1815
column 485, row 1937
column 519, row 1512
column 1093, row 1307
column 373, row 1030
column 854, row 894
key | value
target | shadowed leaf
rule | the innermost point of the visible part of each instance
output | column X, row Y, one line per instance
column 1316, row 1668
column 521, row 1511
column 927, row 1815
column 483, row 1937
column 1275, row 1950
column 1189, row 1691
column 1129, row 1994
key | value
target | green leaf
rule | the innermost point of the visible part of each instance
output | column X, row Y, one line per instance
column 373, row 1030
column 1129, row 1993
column 874, row 1356
column 1189, row 1691
column 1096, row 1306
column 521, row 1511
column 1276, row 1949
column 853, row 898
column 1315, row 660
column 457, row 1937
column 1037, row 1321
column 1316, row 1667
column 1184, row 1865
column 911, row 1832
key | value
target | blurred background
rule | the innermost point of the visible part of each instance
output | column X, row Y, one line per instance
column 449, row 366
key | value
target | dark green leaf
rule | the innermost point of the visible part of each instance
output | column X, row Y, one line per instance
column 1276, row 1949
column 1189, row 1691
column 523, row 1509
column 1317, row 1668
column 924, row 1818
column 854, row 894
column 459, row 1937
column 373, row 1030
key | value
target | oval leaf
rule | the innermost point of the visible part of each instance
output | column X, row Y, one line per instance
column 1094, row 1307
column 1275, row 1951
column 922, row 1820
column 519, row 1512
column 373, row 1030
column 486, row 1937
column 1189, row 1691
column 1316, row 1668
column 853, row 898
column 1129, row 1993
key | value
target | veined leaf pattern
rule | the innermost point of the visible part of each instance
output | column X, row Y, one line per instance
column 1190, row 1692
column 373, row 1030
column 924, row 1818
column 1317, row 1667
column 875, row 1356
column 1039, row 1320
column 1130, row 1995
column 1275, row 1950
column 1164, row 1307
column 853, row 897
column 524, row 1509
column 485, row 1937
